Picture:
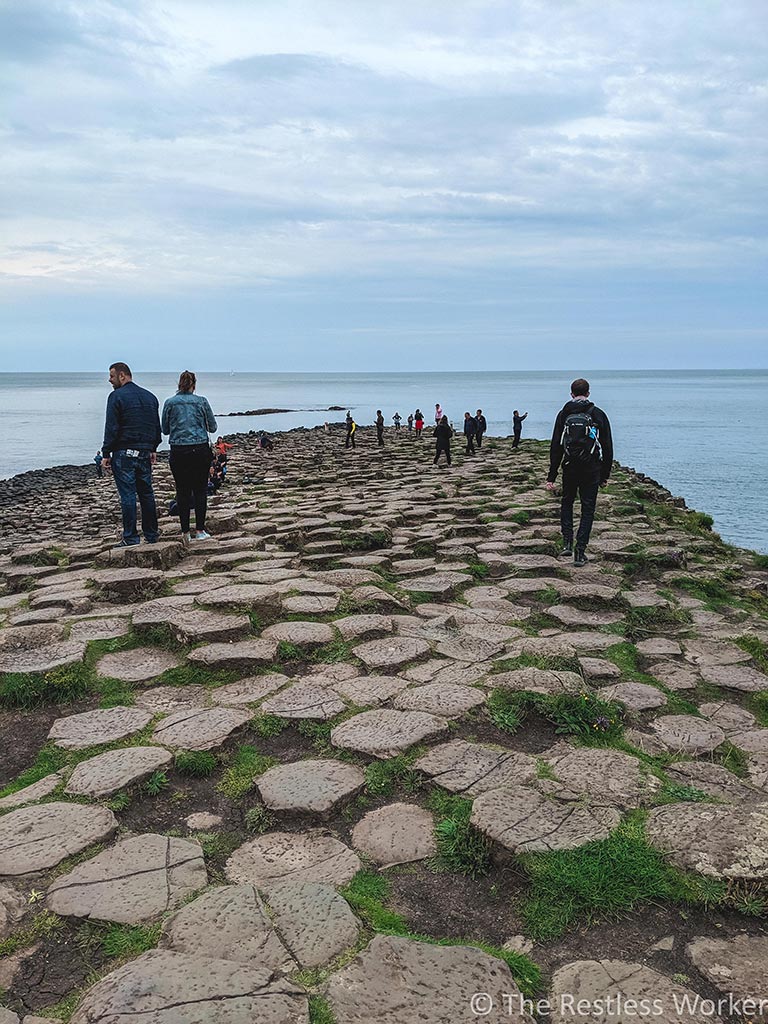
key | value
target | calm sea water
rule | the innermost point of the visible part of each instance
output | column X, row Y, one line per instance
column 697, row 432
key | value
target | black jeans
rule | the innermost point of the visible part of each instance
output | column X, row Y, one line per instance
column 380, row 435
column 437, row 455
column 516, row 441
column 479, row 440
column 470, row 450
column 190, row 465
column 586, row 487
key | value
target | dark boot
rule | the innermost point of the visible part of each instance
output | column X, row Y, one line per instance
column 579, row 558
column 567, row 547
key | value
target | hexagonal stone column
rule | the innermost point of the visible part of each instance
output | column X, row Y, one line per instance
column 292, row 857
column 312, row 785
column 396, row 980
column 386, row 733
column 474, row 768
column 133, row 881
column 37, row 838
column 110, row 771
column 396, row 834
column 200, row 729
column 722, row 842
column 91, row 728
column 313, row 920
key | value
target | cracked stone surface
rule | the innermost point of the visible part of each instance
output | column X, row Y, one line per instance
column 311, row 785
column 396, row 834
column 709, row 652
column 12, row 907
column 249, row 690
column 365, row 690
column 715, row 840
column 177, row 988
column 475, row 768
column 136, row 665
column 539, row 680
column 466, row 647
column 228, row 923
column 712, row 779
column 525, row 820
column 391, row 652
column 104, row 725
column 302, row 634
column 394, row 976
column 40, row 837
column 569, row 615
column 604, row 775
column 687, row 734
column 292, row 857
column 110, row 771
column 385, row 733
column 361, row 627
column 735, row 677
column 160, row 699
column 31, row 793
column 135, row 880
column 675, row 676
column 305, row 700
column 594, row 980
column 598, row 669
column 243, row 654
column 315, row 923
column 200, row 729
column 737, row 966
column 440, row 699
column 311, row 604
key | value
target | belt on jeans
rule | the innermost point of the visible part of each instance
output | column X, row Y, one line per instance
column 132, row 453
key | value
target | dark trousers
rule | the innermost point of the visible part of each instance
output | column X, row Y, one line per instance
column 470, row 450
column 447, row 452
column 190, row 465
column 586, row 487
column 133, row 479
column 350, row 440
column 479, row 440
column 380, row 435
column 516, row 441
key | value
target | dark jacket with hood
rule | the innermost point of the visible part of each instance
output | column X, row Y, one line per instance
column 443, row 433
column 599, row 469
column 470, row 426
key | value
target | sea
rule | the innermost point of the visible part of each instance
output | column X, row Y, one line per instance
column 701, row 433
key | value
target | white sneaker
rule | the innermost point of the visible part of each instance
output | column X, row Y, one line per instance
column 202, row 535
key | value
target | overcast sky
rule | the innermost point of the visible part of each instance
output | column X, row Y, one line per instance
column 384, row 185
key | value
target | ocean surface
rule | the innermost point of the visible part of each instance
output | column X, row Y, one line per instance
column 700, row 433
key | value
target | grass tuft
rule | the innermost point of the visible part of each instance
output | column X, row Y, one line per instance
column 196, row 764
column 121, row 940
column 589, row 718
column 245, row 767
column 461, row 847
column 382, row 778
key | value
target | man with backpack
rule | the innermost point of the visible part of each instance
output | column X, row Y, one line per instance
column 582, row 441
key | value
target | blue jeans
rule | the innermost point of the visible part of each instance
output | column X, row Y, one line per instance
column 133, row 478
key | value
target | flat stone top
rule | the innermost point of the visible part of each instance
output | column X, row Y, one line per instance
column 135, row 880
column 40, row 837
column 710, row 652
column 385, row 733
column 29, row 794
column 737, row 965
column 597, row 980
column 391, row 652
column 525, row 820
column 604, row 775
column 177, row 988
column 299, row 633
column 200, row 729
column 633, row 695
column 136, row 665
column 715, row 840
column 92, row 728
column 249, row 690
column 393, row 976
column 364, row 690
column 314, row 921
column 110, row 771
column 735, row 677
column 396, row 834
column 440, row 699
column 474, row 768
column 712, row 779
column 292, row 857
column 306, row 699
column 311, row 785
column 688, row 734
column 538, row 680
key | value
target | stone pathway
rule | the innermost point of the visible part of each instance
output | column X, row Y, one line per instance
column 357, row 710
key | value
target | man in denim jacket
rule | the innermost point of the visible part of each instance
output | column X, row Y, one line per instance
column 131, row 437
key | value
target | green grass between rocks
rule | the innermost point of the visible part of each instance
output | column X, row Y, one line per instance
column 593, row 721
column 244, row 767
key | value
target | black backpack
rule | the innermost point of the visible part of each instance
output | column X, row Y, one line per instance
column 581, row 438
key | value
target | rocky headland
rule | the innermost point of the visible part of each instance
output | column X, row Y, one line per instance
column 374, row 753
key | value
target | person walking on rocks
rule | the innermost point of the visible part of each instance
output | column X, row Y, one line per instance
column 188, row 419
column 482, row 426
column 131, row 437
column 443, row 435
column 379, row 427
column 517, row 427
column 351, row 430
column 438, row 412
column 396, row 419
column 418, row 422
column 470, row 430
column 410, row 422
column 98, row 458
column 582, row 442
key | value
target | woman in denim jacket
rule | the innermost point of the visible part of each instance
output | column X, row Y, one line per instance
column 188, row 419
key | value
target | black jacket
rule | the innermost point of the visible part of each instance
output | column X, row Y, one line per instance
column 133, row 420
column 470, row 426
column 599, row 468
column 482, row 425
column 443, row 433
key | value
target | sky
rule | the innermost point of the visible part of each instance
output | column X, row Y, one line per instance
column 359, row 185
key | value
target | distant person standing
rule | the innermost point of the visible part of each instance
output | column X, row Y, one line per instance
column 98, row 458
column 410, row 422
column 379, row 427
column 396, row 419
column 438, row 412
column 188, row 419
column 131, row 437
column 470, row 430
column 517, row 427
column 351, row 430
column 582, row 441
column 482, row 426
column 443, row 435
column 418, row 422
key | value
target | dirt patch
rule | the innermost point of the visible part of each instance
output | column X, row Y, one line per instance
column 535, row 735
column 22, row 734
